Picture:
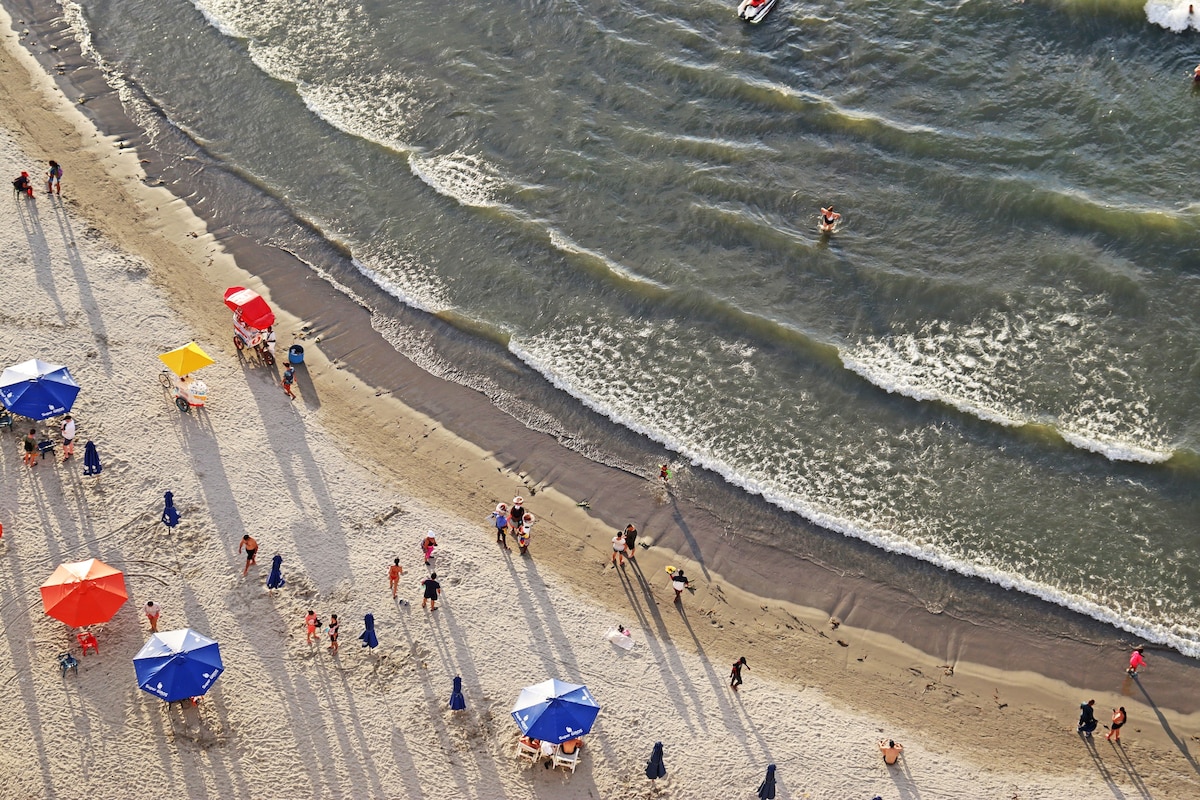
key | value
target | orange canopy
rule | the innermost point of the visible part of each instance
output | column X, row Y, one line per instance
column 84, row 593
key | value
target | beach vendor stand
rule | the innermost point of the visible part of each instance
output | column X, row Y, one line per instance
column 188, row 392
column 252, row 322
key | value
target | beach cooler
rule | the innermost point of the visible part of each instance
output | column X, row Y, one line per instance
column 295, row 354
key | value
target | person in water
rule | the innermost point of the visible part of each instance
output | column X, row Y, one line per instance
column 829, row 218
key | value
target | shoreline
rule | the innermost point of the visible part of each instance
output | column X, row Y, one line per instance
column 953, row 616
column 494, row 450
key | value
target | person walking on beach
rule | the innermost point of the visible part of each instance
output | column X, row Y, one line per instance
column 891, row 751
column 631, row 534
column 54, row 179
column 428, row 545
column 735, row 675
column 664, row 472
column 30, row 445
column 68, row 436
column 524, row 532
column 500, row 519
column 1087, row 718
column 394, row 573
column 1118, row 719
column 433, row 590
column 289, row 377
column 1136, row 660
column 152, row 611
column 251, row 547
column 618, row 546
column 311, row 623
column 679, row 582
column 333, row 633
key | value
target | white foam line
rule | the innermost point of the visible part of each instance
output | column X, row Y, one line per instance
column 1111, row 448
column 1185, row 640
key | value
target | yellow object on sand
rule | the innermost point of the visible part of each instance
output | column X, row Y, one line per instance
column 186, row 359
column 670, row 570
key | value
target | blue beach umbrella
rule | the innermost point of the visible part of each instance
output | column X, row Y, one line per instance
column 177, row 665
column 38, row 390
column 275, row 579
column 368, row 637
column 655, row 768
column 766, row 789
column 457, row 701
column 555, row 711
column 91, row 460
column 170, row 515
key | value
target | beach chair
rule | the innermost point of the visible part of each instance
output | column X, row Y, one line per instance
column 530, row 754
column 46, row 446
column 6, row 420
column 86, row 640
column 568, row 760
column 68, row 661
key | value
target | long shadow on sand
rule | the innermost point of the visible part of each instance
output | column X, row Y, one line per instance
column 1166, row 726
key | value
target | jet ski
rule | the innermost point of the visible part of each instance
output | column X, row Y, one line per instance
column 754, row 11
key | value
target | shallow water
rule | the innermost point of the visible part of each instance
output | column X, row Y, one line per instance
column 992, row 366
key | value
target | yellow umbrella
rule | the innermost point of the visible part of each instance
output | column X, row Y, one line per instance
column 188, row 358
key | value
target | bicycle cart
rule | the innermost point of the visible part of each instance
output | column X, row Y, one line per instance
column 188, row 392
column 252, row 322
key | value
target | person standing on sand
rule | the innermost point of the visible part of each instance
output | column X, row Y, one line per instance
column 311, row 623
column 618, row 546
column 433, row 590
column 394, row 573
column 891, row 751
column 735, row 675
column 428, row 545
column 500, row 520
column 30, row 444
column 1118, row 719
column 517, row 512
column 68, row 437
column 251, row 547
column 54, row 179
column 631, row 535
column 1136, row 660
column 152, row 611
column 679, row 582
column 333, row 634
column 1087, row 718
column 289, row 377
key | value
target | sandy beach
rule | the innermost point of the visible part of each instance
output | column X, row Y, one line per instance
column 373, row 454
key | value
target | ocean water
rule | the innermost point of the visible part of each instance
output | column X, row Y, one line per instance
column 992, row 366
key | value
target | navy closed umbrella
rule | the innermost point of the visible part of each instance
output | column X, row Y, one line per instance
column 766, row 789
column 369, row 639
column 170, row 516
column 655, row 768
column 38, row 390
column 275, row 579
column 457, row 701
column 91, row 460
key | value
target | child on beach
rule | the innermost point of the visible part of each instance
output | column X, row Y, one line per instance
column 289, row 377
column 500, row 519
column 1136, row 660
column 30, row 444
column 21, row 185
column 152, row 611
column 428, row 545
column 54, row 179
column 311, row 623
column 333, row 634
column 394, row 573
column 735, row 675
column 524, row 532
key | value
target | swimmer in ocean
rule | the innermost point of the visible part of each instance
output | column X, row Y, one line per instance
column 829, row 217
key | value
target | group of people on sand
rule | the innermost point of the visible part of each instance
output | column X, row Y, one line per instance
column 624, row 545
column 516, row 519
column 23, row 184
column 1087, row 711
column 32, row 447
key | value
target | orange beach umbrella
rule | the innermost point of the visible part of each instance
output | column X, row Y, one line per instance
column 84, row 593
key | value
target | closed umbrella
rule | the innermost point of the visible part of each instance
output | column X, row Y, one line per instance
column 38, row 390
column 555, row 711
column 91, row 459
column 275, row 579
column 186, row 359
column 170, row 516
column 368, row 637
column 84, row 593
column 177, row 665
column 655, row 768
column 766, row 789
column 457, row 701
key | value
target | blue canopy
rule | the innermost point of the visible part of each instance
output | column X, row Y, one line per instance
column 91, row 459
column 766, row 789
column 655, row 768
column 38, row 390
column 275, row 579
column 555, row 711
column 368, row 637
column 170, row 515
column 177, row 665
